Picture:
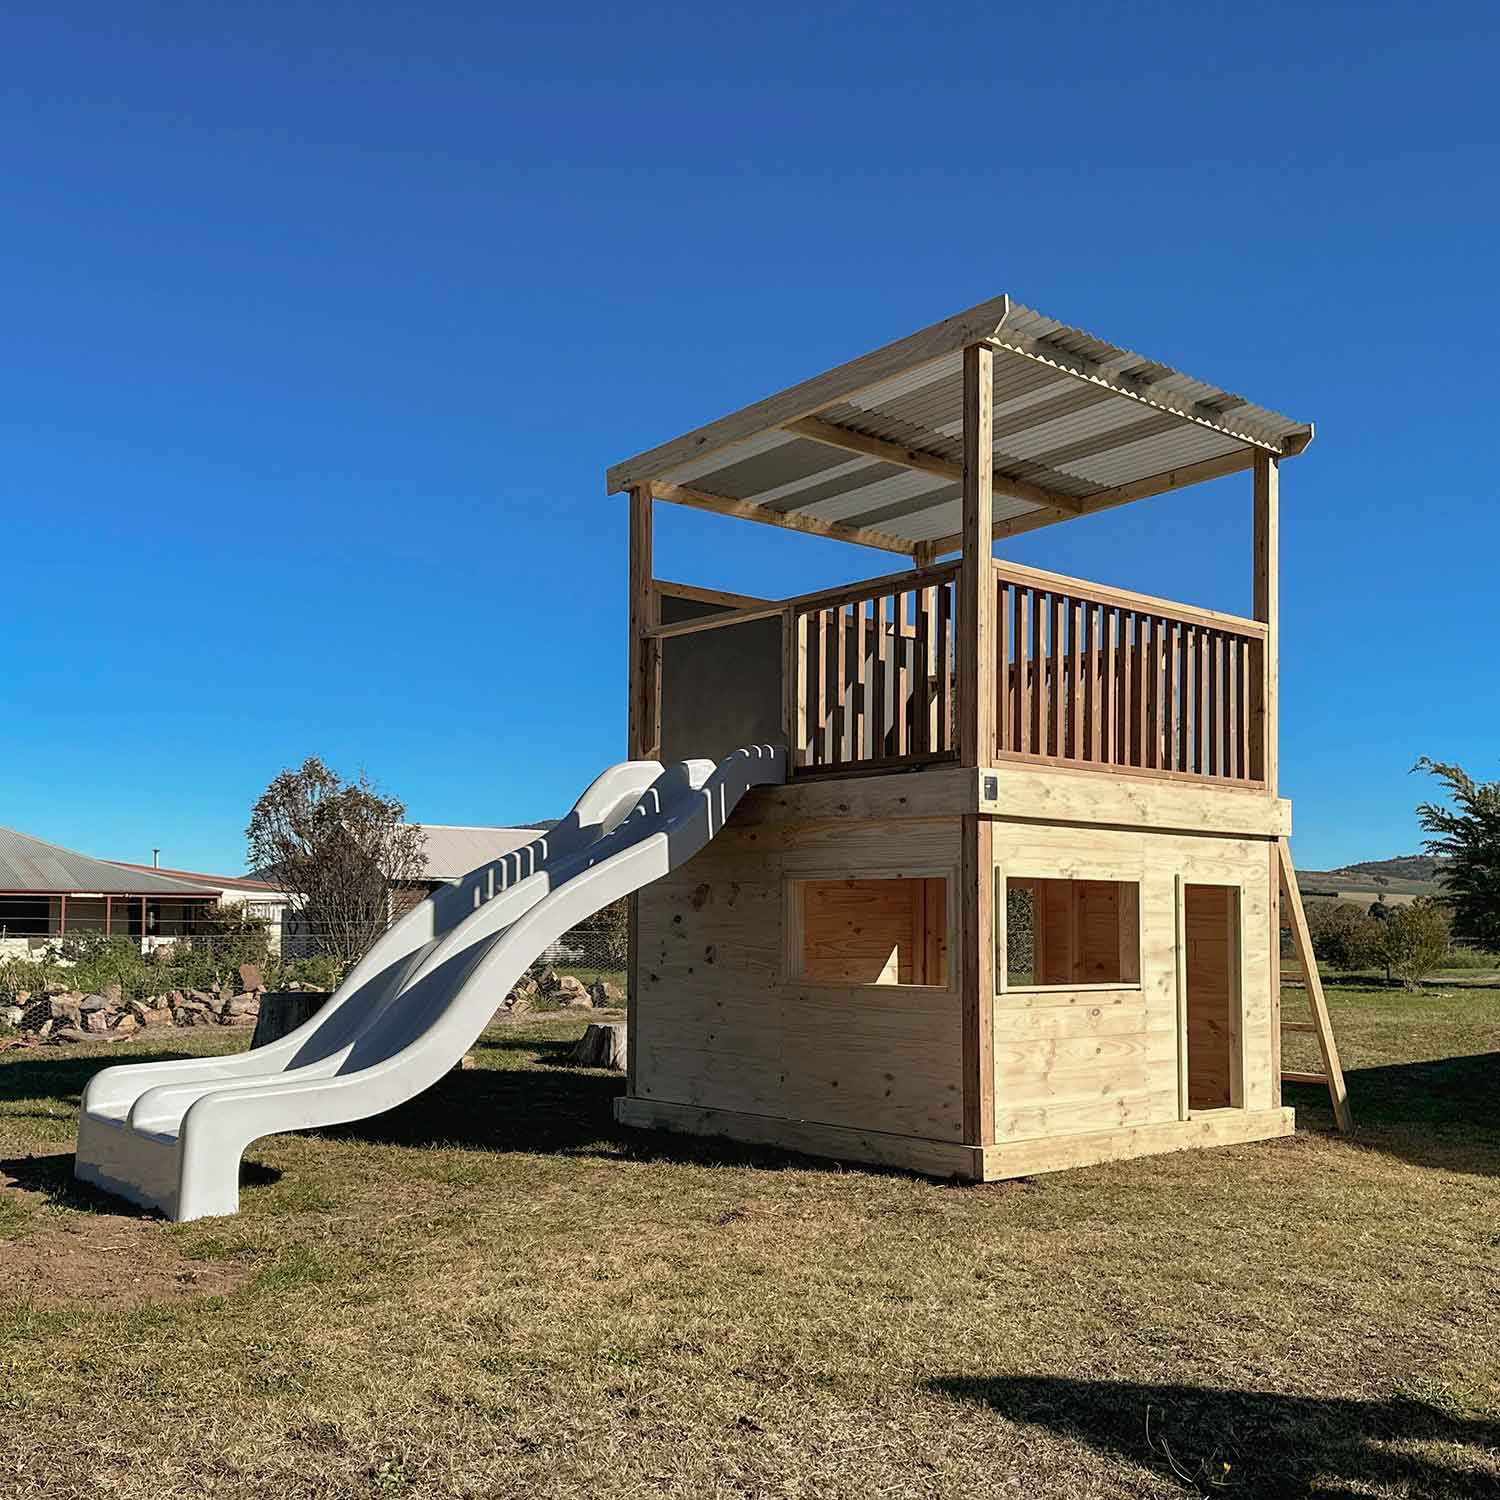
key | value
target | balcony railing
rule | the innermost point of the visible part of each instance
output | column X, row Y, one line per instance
column 1094, row 677
column 1081, row 676
column 870, row 672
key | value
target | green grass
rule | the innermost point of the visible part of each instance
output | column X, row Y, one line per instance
column 492, row 1292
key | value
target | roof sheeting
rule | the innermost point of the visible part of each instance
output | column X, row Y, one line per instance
column 33, row 866
column 451, row 852
column 1075, row 420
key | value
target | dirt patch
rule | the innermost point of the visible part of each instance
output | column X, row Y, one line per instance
column 118, row 1260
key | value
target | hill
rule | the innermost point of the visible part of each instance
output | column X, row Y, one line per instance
column 1400, row 880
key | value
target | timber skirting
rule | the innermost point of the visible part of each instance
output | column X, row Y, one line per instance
column 1219, row 1127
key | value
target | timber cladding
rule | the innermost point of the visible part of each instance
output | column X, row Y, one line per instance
column 738, row 1011
column 1083, row 1058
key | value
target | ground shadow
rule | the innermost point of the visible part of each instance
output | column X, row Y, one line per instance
column 52, row 1176
column 1253, row 1443
column 1442, row 1113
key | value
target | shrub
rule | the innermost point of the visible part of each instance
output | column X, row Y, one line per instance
column 1343, row 936
column 1414, row 942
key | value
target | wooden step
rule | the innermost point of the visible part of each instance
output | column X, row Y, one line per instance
column 1306, row 1026
column 1304, row 1078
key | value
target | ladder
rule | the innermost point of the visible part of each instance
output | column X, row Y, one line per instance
column 1319, row 1026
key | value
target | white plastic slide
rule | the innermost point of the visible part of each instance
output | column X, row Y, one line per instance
column 169, row 1136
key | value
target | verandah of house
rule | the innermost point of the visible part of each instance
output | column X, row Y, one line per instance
column 993, row 423
column 47, row 891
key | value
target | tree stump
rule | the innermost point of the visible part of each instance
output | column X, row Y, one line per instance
column 603, row 1045
column 283, row 1011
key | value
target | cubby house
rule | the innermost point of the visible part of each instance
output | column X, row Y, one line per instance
column 1017, row 905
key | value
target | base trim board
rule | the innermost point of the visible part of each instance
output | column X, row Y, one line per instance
column 837, row 1142
column 1202, row 1128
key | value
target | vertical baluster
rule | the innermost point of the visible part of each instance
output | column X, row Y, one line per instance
column 1091, row 672
column 1128, row 734
column 944, row 666
column 878, row 732
column 1184, row 690
column 1242, row 746
column 898, row 673
column 1003, row 736
column 1075, row 679
column 1230, row 690
column 1211, row 692
column 1038, row 672
column 922, row 697
column 841, row 739
column 859, row 687
column 1057, row 702
column 799, row 690
column 1021, row 630
column 1110, row 736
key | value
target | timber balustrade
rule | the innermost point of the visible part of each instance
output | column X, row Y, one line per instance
column 1082, row 676
column 1101, row 678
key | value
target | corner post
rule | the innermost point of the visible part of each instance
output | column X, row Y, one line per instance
column 645, row 651
column 976, row 735
column 1267, row 608
column 976, row 738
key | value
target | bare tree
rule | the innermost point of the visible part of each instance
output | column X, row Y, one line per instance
column 336, row 848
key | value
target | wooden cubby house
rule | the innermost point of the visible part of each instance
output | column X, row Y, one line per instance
column 1017, row 906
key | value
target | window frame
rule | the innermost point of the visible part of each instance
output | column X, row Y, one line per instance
column 1003, row 986
column 793, row 910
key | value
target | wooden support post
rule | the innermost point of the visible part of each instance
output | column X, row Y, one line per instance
column 1333, row 1072
column 645, row 652
column 1267, row 608
column 976, row 580
column 108, row 915
column 976, row 925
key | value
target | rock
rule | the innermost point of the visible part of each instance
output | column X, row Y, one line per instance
column 570, row 992
column 547, row 980
column 125, row 1023
column 95, row 1020
column 467, row 1063
column 156, row 1016
column 70, row 1034
column 241, row 1005
column 91, row 1003
column 603, row 1045
column 12, row 1015
column 251, row 977
column 201, row 997
column 60, row 1008
column 45, row 1029
column 518, row 1000
column 111, row 993
column 606, row 994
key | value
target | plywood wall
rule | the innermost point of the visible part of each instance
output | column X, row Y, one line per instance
column 1082, row 1058
column 723, row 1020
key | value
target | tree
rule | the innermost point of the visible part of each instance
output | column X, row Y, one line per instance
column 1414, row 941
column 1467, row 839
column 1343, row 937
column 335, row 847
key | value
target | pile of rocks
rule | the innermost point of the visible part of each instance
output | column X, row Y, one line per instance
column 60, row 1015
column 564, row 990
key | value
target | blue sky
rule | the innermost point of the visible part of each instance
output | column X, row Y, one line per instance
column 323, row 323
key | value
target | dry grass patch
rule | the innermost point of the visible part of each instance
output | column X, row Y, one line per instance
column 492, row 1292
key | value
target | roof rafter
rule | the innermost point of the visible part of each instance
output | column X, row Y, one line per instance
column 682, row 494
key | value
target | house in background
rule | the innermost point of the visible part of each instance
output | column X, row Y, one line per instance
column 259, row 898
column 47, row 892
column 450, row 851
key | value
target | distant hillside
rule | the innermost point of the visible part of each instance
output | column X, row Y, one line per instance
column 1400, row 880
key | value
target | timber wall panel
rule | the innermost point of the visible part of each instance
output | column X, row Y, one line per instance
column 1085, row 1059
column 722, row 1020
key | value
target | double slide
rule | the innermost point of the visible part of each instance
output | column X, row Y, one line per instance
column 169, row 1136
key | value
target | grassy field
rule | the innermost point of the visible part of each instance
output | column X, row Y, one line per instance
column 491, row 1292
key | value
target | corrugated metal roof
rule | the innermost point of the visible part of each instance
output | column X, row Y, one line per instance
column 32, row 865
column 1075, row 419
column 451, row 852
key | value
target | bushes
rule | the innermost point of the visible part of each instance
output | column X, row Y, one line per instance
column 1414, row 942
column 1343, row 935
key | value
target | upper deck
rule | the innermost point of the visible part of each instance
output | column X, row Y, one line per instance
column 995, row 422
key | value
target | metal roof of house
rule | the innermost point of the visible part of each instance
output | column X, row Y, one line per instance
column 452, row 851
column 204, row 880
column 873, row 450
column 35, row 867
